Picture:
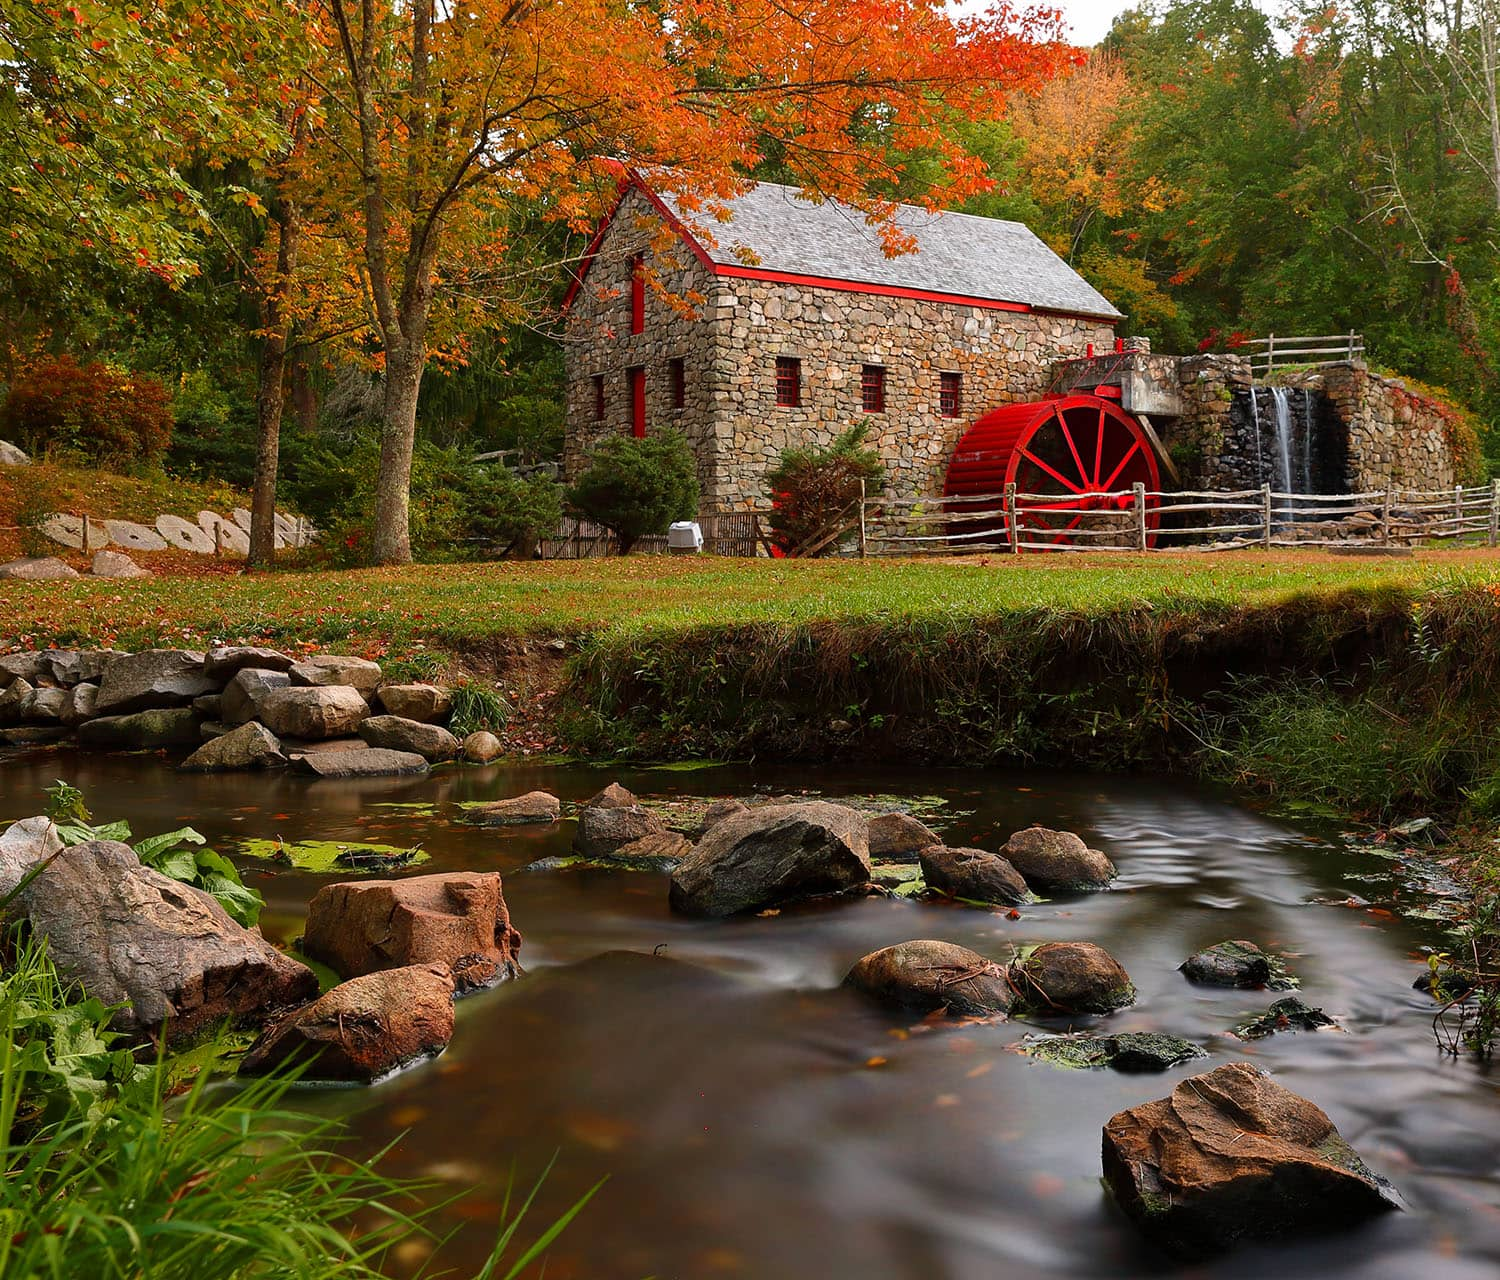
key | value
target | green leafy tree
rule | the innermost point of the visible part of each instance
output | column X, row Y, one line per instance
column 509, row 514
column 815, row 490
column 637, row 487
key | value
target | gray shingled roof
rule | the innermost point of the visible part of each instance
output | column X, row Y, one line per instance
column 959, row 253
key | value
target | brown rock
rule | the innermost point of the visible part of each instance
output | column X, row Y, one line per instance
column 238, row 702
column 972, row 874
column 533, row 807
column 717, row 812
column 362, row 1029
column 423, row 702
column 898, row 837
column 663, row 850
column 363, row 926
column 37, row 569
column 251, row 746
column 602, row 830
column 322, row 712
column 327, row 669
column 613, row 796
column 152, row 678
column 927, row 975
column 1231, row 1156
column 166, row 952
column 395, row 733
column 227, row 660
column 1071, row 977
column 116, row 564
column 372, row 762
column 481, row 746
column 1057, row 861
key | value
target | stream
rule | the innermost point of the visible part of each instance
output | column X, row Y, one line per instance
column 756, row 1120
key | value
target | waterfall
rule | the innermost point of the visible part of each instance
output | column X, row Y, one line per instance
column 1260, row 462
column 1282, row 425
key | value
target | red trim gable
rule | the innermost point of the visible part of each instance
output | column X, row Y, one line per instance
column 724, row 269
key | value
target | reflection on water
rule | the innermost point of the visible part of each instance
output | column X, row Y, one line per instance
column 755, row 1120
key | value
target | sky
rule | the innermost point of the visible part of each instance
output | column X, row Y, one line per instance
column 1088, row 20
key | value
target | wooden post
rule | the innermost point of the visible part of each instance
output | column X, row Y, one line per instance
column 1139, row 503
column 83, row 522
column 1458, row 510
column 1010, row 519
column 1494, row 512
column 1385, row 518
column 862, row 542
column 1265, row 516
column 218, row 538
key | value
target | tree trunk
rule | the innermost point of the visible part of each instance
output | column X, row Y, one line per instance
column 398, row 432
column 304, row 393
column 270, row 395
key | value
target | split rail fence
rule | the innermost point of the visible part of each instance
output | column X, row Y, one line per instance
column 1202, row 520
column 725, row 533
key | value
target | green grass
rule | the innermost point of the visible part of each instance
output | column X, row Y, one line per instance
column 377, row 610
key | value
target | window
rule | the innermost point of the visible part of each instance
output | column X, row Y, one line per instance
column 788, row 381
column 598, row 397
column 872, row 388
column 636, row 381
column 950, row 394
column 638, row 293
column 678, row 372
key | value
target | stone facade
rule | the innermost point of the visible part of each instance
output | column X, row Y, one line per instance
column 729, row 340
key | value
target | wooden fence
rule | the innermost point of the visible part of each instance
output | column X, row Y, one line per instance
column 725, row 533
column 1202, row 520
column 1320, row 349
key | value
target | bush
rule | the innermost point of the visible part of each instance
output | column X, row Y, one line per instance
column 510, row 514
column 815, row 491
column 636, row 487
column 110, row 417
column 214, row 433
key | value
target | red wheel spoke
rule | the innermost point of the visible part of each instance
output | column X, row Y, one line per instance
column 1062, row 425
column 1061, row 535
column 1113, row 475
column 1051, row 471
column 1099, row 450
column 1067, row 504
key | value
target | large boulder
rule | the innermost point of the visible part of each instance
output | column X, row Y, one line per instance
column 324, row 669
column 143, row 731
column 323, row 712
column 660, row 851
column 1057, row 861
column 37, row 569
column 927, row 975
column 424, row 702
column 717, row 812
column 45, row 706
column 13, row 700
column 453, row 918
column 360, row 762
column 898, row 837
column 773, row 854
column 116, row 564
column 613, row 796
column 972, row 874
column 225, row 660
column 1228, row 964
column 152, row 678
column 12, row 455
column 395, row 733
column 603, row 829
column 1231, row 1156
column 65, row 666
column 82, row 699
column 1071, row 977
column 241, row 697
column 22, row 845
column 30, row 664
column 250, row 746
column 164, row 951
column 535, row 807
column 362, row 1029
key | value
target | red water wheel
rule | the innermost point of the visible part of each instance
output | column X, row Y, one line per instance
column 1073, row 461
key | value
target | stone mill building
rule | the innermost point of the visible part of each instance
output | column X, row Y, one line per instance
column 790, row 323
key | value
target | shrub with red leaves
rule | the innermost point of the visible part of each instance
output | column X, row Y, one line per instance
column 107, row 416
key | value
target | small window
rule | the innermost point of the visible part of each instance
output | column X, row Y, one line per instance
column 951, row 394
column 636, row 382
column 598, row 397
column 788, row 381
column 638, row 293
column 678, row 372
column 872, row 388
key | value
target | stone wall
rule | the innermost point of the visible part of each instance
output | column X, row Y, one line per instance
column 730, row 345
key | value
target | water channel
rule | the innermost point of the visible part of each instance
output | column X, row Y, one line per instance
column 756, row 1120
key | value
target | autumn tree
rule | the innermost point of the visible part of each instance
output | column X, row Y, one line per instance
column 444, row 124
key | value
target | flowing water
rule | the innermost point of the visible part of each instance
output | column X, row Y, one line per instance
column 756, row 1120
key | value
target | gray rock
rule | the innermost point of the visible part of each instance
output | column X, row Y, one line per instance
column 423, row 702
column 662, row 851
column 535, row 807
column 13, row 700
column 614, row 796
column 210, row 705
column 1228, row 964
column 65, row 666
column 11, row 456
column 251, row 746
column 33, row 735
column 717, row 812
column 324, row 669
column 396, row 733
column 184, row 535
column 68, row 530
column 1130, row 1051
column 22, row 845
column 972, row 874
column 1057, row 861
column 1287, row 1014
column 211, row 729
column 116, row 564
column 481, row 746
column 326, row 712
column 898, row 837
column 93, row 663
column 603, row 830
column 371, row 763
column 1070, row 977
column 328, row 746
column 928, row 975
column 141, row 730
column 166, row 952
column 224, row 661
column 362, row 1029
column 80, row 705
column 134, row 537
column 31, row 664
column 45, row 706
column 773, row 854
column 152, row 678
column 37, row 569
column 241, row 697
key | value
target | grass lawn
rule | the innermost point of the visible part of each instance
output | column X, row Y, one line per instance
column 392, row 609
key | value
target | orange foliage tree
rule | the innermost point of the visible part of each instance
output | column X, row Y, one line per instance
column 444, row 130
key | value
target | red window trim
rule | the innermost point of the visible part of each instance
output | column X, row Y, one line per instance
column 635, row 379
column 638, row 293
column 789, row 382
column 950, row 394
column 872, row 387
